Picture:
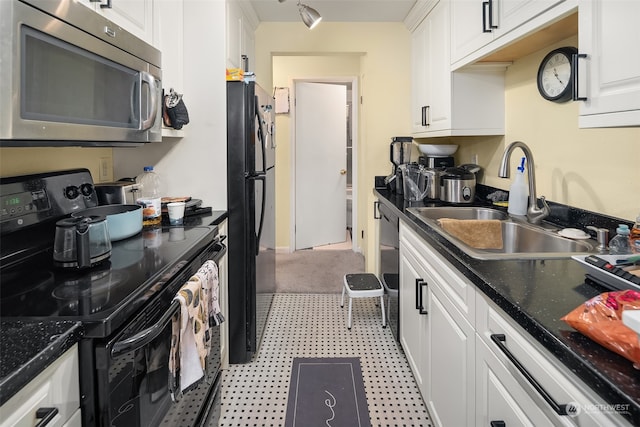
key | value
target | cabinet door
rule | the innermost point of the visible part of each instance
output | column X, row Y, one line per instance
column 513, row 13
column 413, row 328
column 469, row 27
column 499, row 397
column 451, row 362
column 476, row 23
column 611, row 71
column 419, row 79
column 135, row 16
column 431, row 71
column 438, row 68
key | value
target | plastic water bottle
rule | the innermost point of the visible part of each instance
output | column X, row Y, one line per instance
column 634, row 237
column 150, row 198
column 518, row 193
column 620, row 243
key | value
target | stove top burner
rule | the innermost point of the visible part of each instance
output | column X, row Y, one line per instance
column 137, row 270
column 15, row 284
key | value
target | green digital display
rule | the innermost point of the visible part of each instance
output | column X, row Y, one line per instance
column 12, row 201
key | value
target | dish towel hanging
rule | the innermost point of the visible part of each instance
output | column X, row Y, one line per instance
column 188, row 348
column 208, row 275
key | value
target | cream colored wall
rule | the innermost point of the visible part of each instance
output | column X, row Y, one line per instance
column 593, row 169
column 21, row 161
column 384, row 52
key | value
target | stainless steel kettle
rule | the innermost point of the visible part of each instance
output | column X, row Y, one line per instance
column 81, row 242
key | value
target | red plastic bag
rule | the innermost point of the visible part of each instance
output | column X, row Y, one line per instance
column 600, row 319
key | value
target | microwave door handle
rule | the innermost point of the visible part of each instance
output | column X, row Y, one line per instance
column 148, row 122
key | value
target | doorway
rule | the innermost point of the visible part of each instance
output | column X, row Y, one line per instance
column 324, row 163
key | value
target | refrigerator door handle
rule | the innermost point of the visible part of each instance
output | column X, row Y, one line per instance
column 261, row 137
column 262, row 208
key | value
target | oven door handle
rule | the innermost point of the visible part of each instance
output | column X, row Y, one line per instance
column 145, row 336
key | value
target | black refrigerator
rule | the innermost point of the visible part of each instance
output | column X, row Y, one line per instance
column 251, row 208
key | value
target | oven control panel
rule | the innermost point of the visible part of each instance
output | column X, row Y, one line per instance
column 31, row 199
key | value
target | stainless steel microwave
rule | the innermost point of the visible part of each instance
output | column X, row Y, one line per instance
column 70, row 77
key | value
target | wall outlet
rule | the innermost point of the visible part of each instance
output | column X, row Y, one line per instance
column 474, row 159
column 103, row 170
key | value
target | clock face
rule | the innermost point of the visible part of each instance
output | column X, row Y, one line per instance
column 555, row 76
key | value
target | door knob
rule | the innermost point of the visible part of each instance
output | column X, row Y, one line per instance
column 343, row 171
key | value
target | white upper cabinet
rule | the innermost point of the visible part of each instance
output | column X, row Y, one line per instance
column 431, row 72
column 135, row 16
column 469, row 101
column 241, row 26
column 476, row 24
column 609, row 75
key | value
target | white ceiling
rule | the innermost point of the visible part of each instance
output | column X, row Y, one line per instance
column 335, row 10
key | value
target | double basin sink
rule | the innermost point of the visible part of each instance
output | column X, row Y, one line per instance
column 520, row 240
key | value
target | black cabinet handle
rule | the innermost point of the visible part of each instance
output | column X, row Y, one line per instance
column 106, row 6
column 418, row 302
column 422, row 309
column 487, row 16
column 560, row 409
column 498, row 424
column 485, row 9
column 45, row 415
column 419, row 306
column 376, row 210
column 574, row 64
column 425, row 121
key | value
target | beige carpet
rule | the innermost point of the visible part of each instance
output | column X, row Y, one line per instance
column 315, row 271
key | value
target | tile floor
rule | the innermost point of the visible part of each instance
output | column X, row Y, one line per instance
column 314, row 325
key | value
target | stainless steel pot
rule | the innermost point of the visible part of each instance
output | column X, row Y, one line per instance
column 457, row 185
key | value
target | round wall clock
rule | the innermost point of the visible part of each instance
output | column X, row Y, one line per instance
column 556, row 73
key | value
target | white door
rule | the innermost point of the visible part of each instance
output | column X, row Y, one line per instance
column 320, row 164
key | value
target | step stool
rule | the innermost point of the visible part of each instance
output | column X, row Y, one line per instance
column 363, row 285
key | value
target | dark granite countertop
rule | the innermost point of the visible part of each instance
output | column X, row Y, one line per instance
column 536, row 294
column 28, row 347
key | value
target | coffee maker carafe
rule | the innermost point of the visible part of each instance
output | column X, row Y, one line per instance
column 399, row 154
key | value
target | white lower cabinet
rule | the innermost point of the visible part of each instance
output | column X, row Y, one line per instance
column 474, row 365
column 413, row 324
column 54, row 391
column 437, row 337
column 450, row 362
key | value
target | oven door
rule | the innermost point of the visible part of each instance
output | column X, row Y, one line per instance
column 132, row 370
column 65, row 86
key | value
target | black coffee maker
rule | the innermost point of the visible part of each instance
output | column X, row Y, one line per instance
column 399, row 154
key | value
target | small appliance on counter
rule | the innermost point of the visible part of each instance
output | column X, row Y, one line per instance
column 437, row 155
column 458, row 184
column 122, row 192
column 437, row 162
column 399, row 154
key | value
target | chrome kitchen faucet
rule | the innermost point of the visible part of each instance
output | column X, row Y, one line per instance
column 535, row 214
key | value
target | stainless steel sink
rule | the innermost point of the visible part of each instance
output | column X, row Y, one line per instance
column 458, row 212
column 520, row 240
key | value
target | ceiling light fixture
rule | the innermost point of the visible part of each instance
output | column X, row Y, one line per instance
column 309, row 15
